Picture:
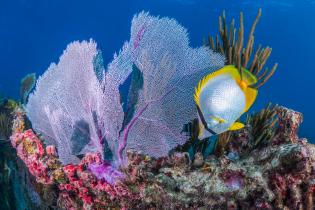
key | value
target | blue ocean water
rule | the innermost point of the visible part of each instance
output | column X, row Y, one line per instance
column 33, row 33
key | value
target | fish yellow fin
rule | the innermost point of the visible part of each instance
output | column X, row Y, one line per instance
column 250, row 96
column 248, row 77
column 229, row 69
column 236, row 126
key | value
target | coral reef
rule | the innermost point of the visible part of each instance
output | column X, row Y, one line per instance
column 272, row 176
column 93, row 147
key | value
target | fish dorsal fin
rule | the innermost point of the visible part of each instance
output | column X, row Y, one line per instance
column 236, row 126
column 230, row 69
column 250, row 96
column 248, row 77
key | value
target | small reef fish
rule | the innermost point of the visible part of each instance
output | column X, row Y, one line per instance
column 221, row 98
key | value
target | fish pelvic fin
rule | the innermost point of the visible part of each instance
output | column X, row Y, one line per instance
column 218, row 119
column 236, row 126
column 229, row 69
column 203, row 133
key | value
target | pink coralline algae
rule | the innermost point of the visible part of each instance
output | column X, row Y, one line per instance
column 86, row 182
column 30, row 149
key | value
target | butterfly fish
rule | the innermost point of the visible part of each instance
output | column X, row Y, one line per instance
column 221, row 98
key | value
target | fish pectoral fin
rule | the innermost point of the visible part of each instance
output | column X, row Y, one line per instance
column 248, row 77
column 236, row 126
column 250, row 96
column 218, row 119
column 203, row 133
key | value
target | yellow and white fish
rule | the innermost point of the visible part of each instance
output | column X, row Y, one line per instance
column 221, row 98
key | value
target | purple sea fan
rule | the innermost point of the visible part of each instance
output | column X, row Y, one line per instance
column 67, row 104
column 77, row 110
column 159, row 49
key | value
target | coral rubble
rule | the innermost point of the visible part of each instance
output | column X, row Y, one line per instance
column 277, row 175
